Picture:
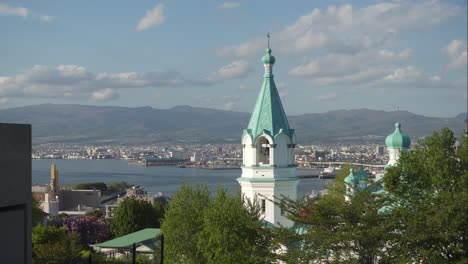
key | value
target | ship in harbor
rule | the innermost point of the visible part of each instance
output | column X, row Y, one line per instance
column 328, row 173
column 156, row 161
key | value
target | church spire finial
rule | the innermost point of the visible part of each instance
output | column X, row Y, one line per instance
column 268, row 37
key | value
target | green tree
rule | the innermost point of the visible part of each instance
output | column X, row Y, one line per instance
column 182, row 223
column 223, row 229
column 233, row 233
column 331, row 228
column 133, row 215
column 429, row 188
column 54, row 246
column 118, row 186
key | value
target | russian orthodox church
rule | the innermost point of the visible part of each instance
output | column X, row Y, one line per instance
column 395, row 143
column 269, row 170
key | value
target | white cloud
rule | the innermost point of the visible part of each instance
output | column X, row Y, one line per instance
column 7, row 10
column 230, row 102
column 229, row 5
column 358, row 77
column 327, row 96
column 283, row 94
column 153, row 17
column 229, row 106
column 74, row 81
column 412, row 78
column 243, row 50
column 281, row 85
column 404, row 54
column 104, row 95
column 403, row 74
column 46, row 18
column 236, row 69
column 244, row 87
column 19, row 11
column 456, row 52
column 4, row 100
column 346, row 29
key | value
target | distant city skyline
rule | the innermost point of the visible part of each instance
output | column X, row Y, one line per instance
column 383, row 55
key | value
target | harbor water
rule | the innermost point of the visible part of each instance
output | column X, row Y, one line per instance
column 154, row 178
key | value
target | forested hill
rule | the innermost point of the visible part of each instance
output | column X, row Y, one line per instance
column 185, row 124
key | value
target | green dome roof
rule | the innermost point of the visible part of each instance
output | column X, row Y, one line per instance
column 351, row 178
column 398, row 140
column 362, row 175
column 268, row 58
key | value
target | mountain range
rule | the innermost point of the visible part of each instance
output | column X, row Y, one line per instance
column 69, row 123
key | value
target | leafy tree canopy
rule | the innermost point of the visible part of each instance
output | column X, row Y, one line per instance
column 133, row 215
column 221, row 229
column 429, row 187
column 54, row 245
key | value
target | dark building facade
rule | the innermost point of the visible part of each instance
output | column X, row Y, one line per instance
column 15, row 199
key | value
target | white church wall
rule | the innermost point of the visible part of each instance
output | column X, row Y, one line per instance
column 247, row 151
column 281, row 150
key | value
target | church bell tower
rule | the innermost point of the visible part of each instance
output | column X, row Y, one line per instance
column 268, row 143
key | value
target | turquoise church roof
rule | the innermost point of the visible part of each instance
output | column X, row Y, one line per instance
column 268, row 58
column 268, row 115
column 351, row 179
column 397, row 140
column 362, row 175
column 360, row 179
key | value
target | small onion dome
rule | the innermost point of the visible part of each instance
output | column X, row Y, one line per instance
column 362, row 175
column 397, row 140
column 351, row 178
column 268, row 58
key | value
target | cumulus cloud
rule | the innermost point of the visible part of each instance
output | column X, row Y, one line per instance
column 236, row 69
column 4, row 100
column 46, row 18
column 456, row 52
column 404, row 54
column 413, row 78
column 244, row 87
column 281, row 85
column 19, row 11
column 74, row 81
column 327, row 96
column 229, row 102
column 7, row 10
column 403, row 74
column 229, row 5
column 153, row 17
column 104, row 95
column 345, row 29
column 358, row 67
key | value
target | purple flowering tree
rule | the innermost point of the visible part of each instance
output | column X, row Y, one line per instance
column 90, row 229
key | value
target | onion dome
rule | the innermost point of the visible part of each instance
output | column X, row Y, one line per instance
column 397, row 140
column 268, row 58
column 362, row 175
column 351, row 179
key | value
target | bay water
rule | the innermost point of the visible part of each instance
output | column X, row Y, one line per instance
column 153, row 178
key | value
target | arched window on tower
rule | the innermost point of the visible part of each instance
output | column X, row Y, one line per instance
column 263, row 154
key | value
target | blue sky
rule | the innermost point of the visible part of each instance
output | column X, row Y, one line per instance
column 384, row 55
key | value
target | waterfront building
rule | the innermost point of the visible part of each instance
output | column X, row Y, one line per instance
column 268, row 143
column 54, row 199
